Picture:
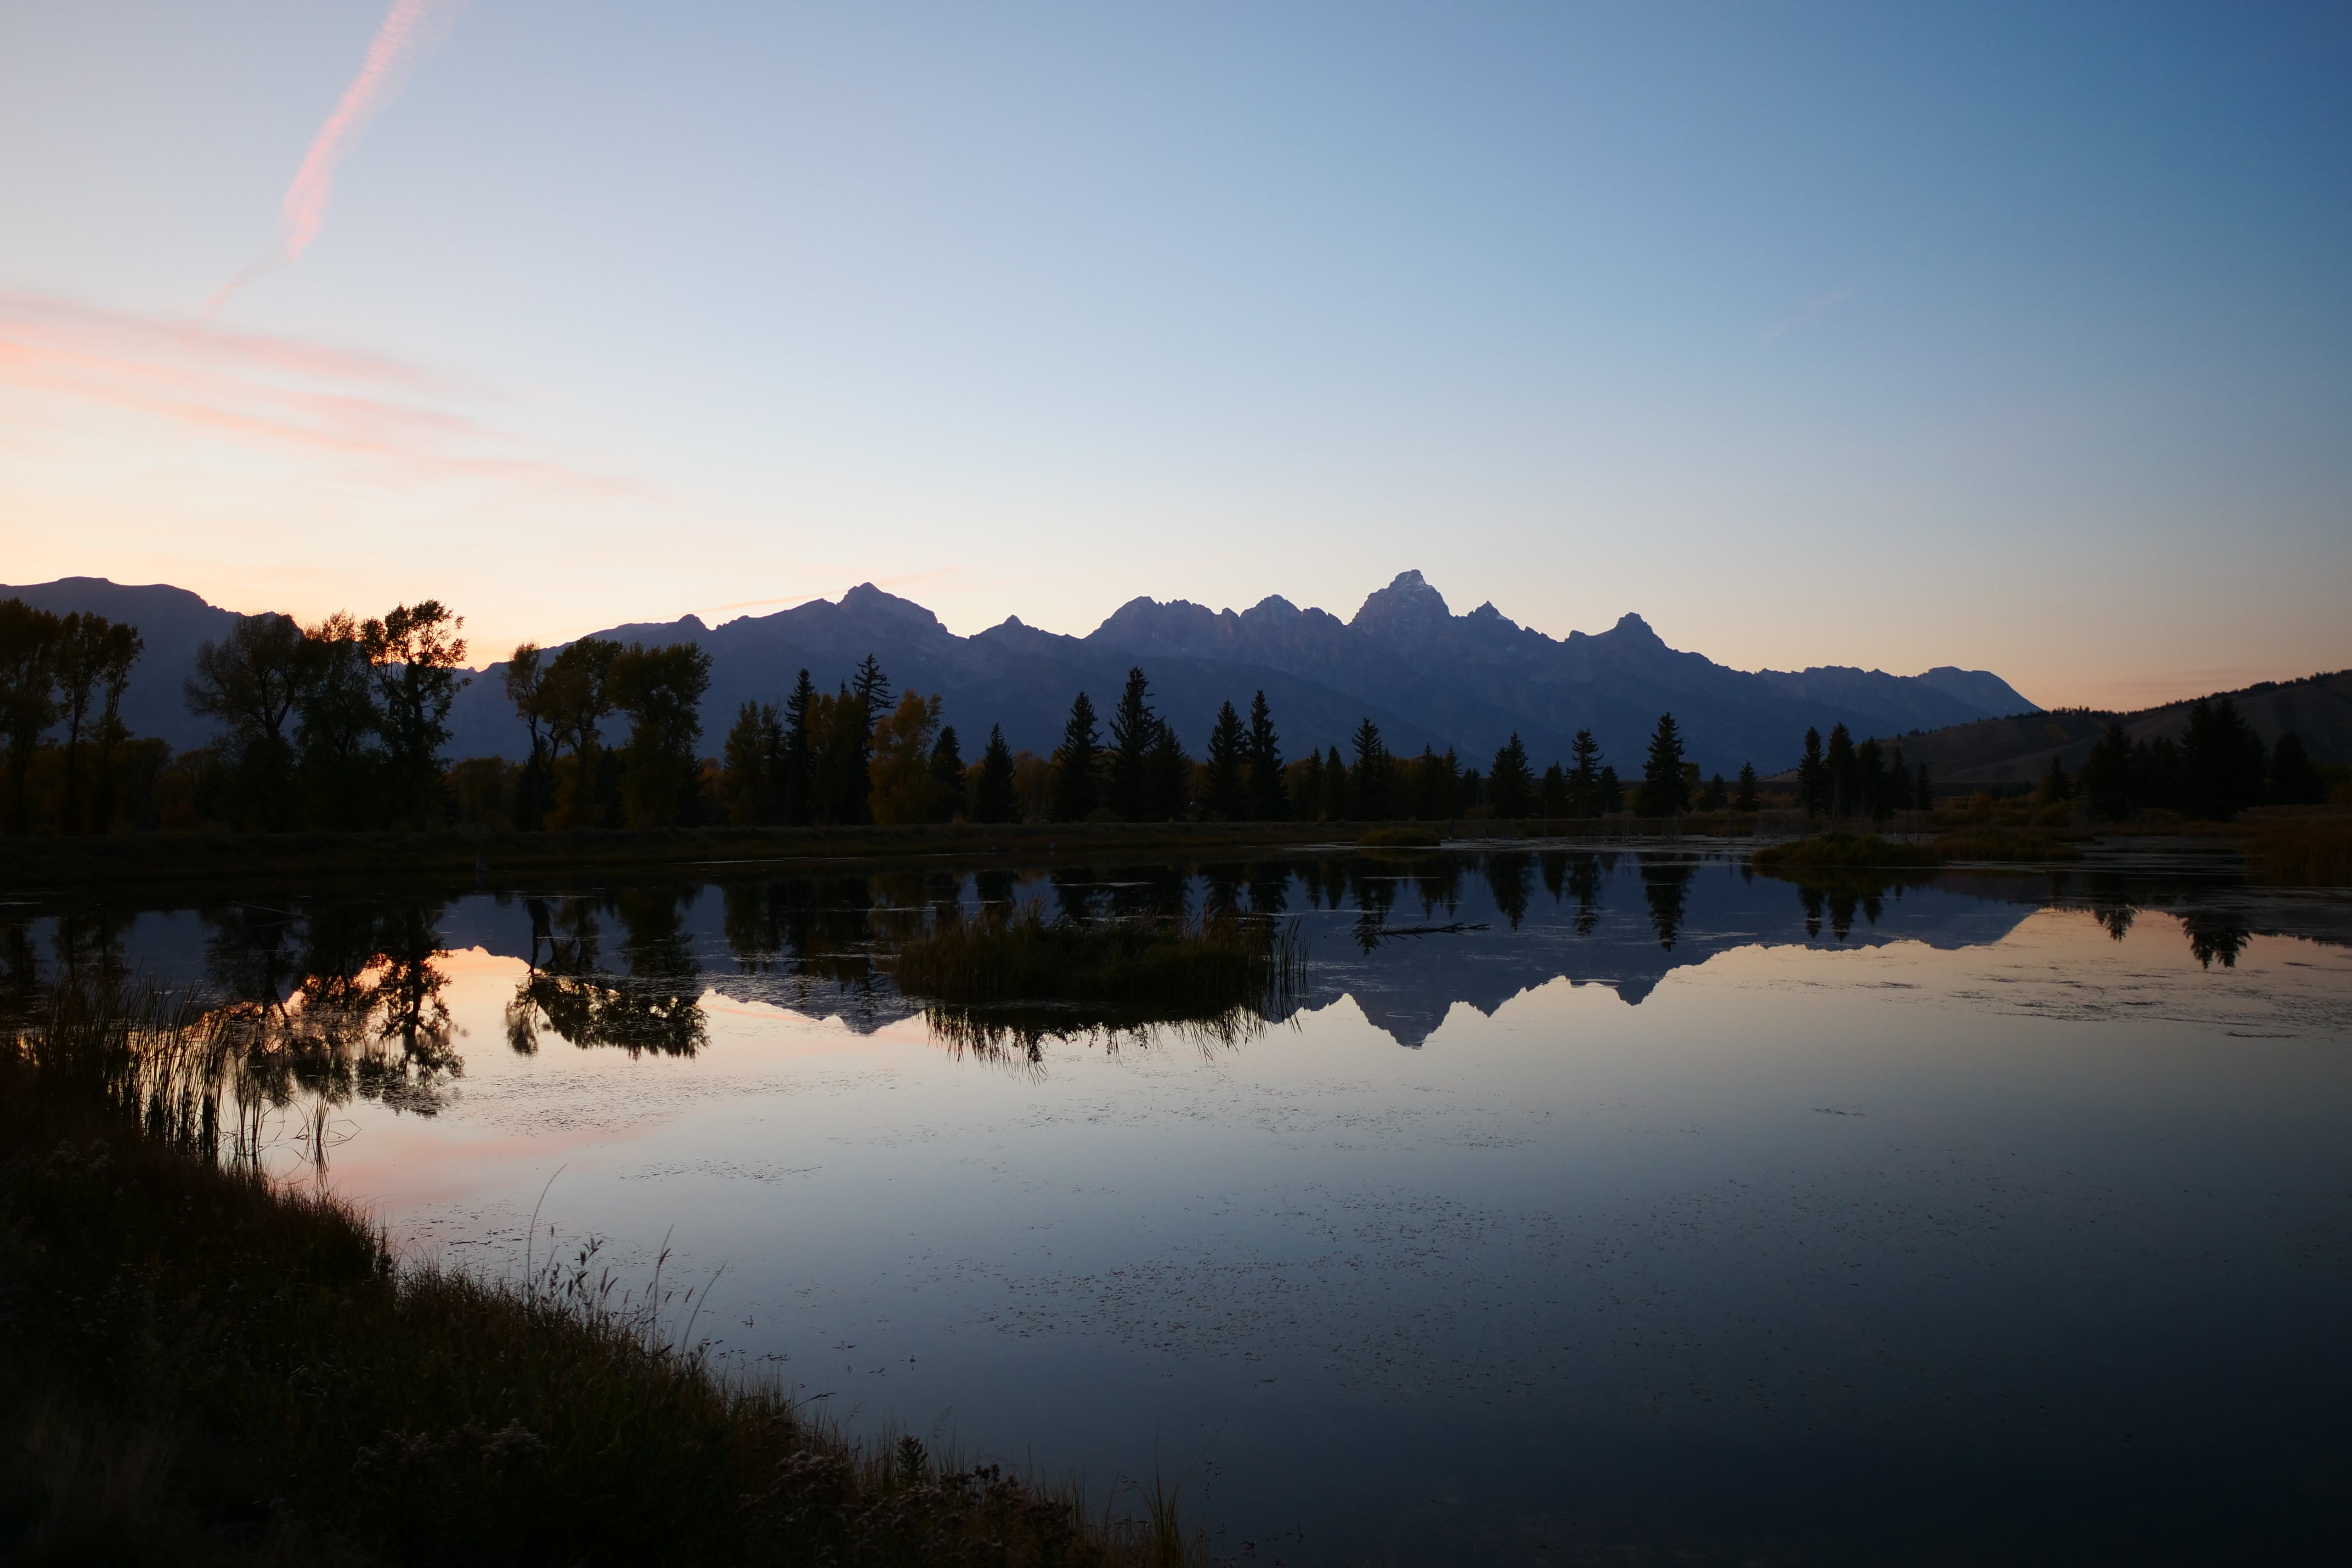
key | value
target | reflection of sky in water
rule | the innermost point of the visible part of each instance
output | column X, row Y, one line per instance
column 1984, row 1209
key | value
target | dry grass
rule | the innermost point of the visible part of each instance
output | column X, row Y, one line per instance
column 197, row 1368
column 2302, row 852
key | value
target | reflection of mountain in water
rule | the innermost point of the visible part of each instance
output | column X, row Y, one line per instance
column 1407, row 938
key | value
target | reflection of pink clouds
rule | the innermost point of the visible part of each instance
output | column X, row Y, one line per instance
column 268, row 390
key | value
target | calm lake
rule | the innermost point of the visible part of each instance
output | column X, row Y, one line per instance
column 1587, row 1206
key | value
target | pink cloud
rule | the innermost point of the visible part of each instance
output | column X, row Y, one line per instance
column 270, row 390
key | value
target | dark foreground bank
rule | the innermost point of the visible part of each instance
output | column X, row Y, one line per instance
column 197, row 1369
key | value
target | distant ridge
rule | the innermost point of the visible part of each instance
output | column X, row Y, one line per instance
column 1425, row 675
column 2017, row 748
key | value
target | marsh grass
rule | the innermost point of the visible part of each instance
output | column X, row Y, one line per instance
column 1845, row 852
column 196, row 1366
column 2302, row 852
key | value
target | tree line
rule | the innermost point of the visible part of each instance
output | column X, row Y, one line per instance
column 341, row 724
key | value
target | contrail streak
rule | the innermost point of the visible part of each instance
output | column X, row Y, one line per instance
column 407, row 29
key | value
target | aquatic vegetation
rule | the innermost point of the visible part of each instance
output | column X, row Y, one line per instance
column 1007, row 979
column 200, row 1367
column 2301, row 852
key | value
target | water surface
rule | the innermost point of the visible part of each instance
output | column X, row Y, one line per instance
column 1626, row 1204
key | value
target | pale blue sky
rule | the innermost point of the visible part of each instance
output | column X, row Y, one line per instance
column 2017, row 337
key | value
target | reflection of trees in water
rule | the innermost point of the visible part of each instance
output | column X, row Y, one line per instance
column 1509, row 876
column 1585, row 874
column 1439, row 884
column 1665, row 884
column 2214, row 934
column 656, row 1006
column 333, row 1001
column 1269, row 889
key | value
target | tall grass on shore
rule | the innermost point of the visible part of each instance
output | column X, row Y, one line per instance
column 197, row 1367
column 1007, row 979
column 2298, row 852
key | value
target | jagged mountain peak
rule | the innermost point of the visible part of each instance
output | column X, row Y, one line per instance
column 1408, row 610
column 868, row 603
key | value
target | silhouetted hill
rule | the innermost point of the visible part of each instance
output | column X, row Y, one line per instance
column 1423, row 674
column 175, row 623
column 2018, row 750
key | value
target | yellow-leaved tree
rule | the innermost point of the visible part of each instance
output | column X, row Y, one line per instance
column 904, row 788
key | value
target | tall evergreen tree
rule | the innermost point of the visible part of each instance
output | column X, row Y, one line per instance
column 743, row 763
column 1584, row 775
column 1552, row 793
column 1166, row 776
column 2293, row 780
column 1307, row 799
column 1744, row 798
column 1368, row 781
column 1873, row 797
column 2107, row 777
column 1337, row 788
column 797, row 768
column 1814, row 777
column 1510, row 787
column 1666, row 791
column 1715, row 796
column 947, row 771
column 1076, row 764
column 1922, row 789
column 1268, row 801
column 2223, row 761
column 1845, row 785
column 1133, row 728
column 1222, row 794
column 1612, row 793
column 992, row 799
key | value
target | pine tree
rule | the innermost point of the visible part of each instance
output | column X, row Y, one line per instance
column 1664, row 790
column 947, row 771
column 2221, row 762
column 1307, row 799
column 1369, row 779
column 2107, row 777
column 1584, row 776
column 1923, row 791
column 1745, row 798
column 1077, row 763
column 1337, row 791
column 1510, row 787
column 1845, row 787
column 744, row 764
column 1553, row 792
column 1611, row 793
column 1133, row 728
column 991, row 800
column 799, row 755
column 1715, row 796
column 1221, row 797
column 2293, row 780
column 1166, row 776
column 1814, row 777
column 1268, row 801
column 1872, row 795
column 1898, row 781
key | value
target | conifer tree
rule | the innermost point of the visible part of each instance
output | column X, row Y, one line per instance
column 1872, row 796
column 1338, row 790
column 1814, row 777
column 1553, row 792
column 1268, row 801
column 1838, row 763
column 1510, row 787
column 1133, row 728
column 797, row 769
column 1075, row 763
column 1898, row 780
column 1222, row 795
column 1612, row 793
column 1744, row 797
column 1584, row 776
column 2221, row 762
column 1307, row 799
column 993, row 800
column 1666, row 791
column 2293, row 780
column 1368, row 781
column 947, row 771
column 1715, row 796
column 1923, row 790
column 1166, row 776
column 2107, row 777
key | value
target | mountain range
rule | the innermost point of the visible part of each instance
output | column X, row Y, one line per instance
column 1423, row 674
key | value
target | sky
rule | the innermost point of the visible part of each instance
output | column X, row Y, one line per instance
column 2014, row 337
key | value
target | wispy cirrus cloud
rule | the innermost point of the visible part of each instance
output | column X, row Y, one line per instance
column 271, row 390
column 409, row 29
